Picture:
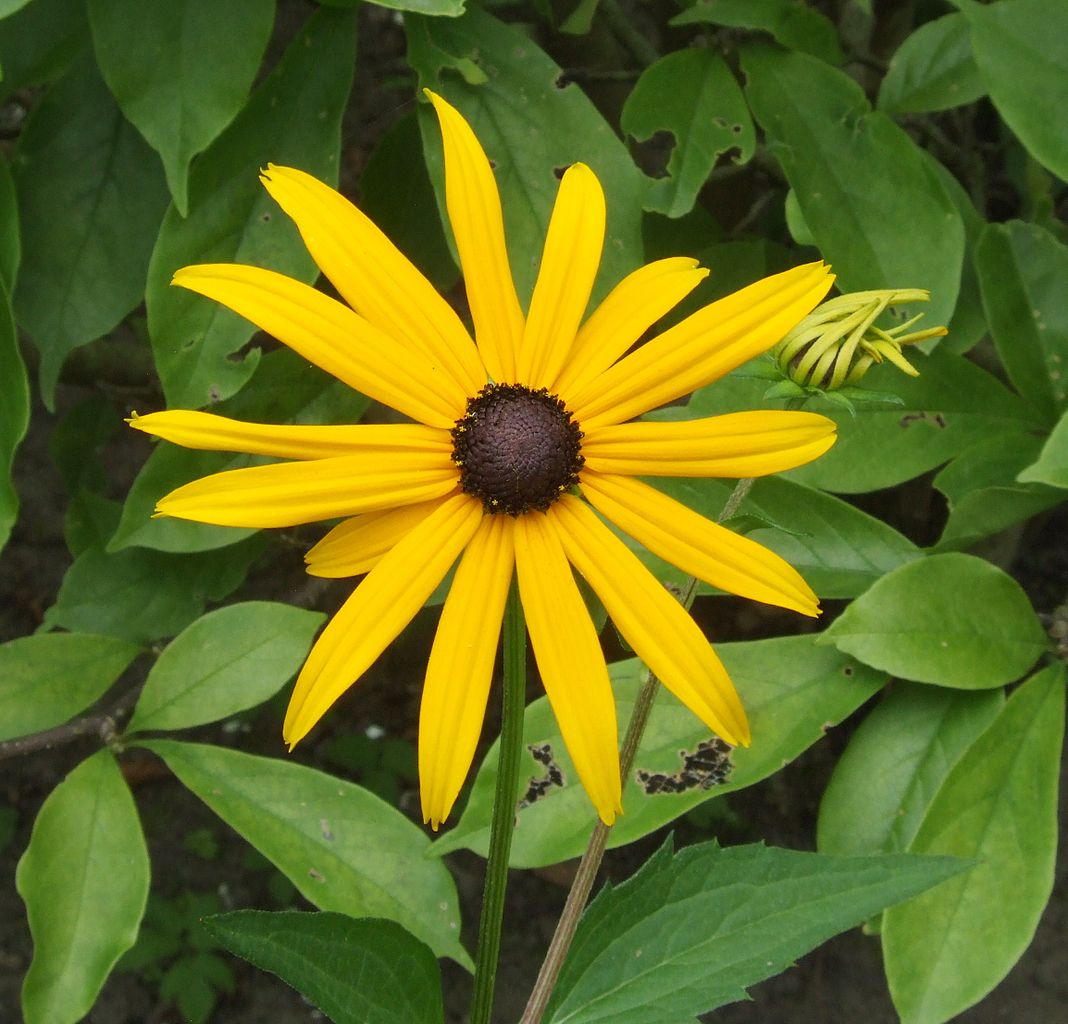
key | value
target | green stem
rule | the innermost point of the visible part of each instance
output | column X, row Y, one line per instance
column 513, row 700
column 591, row 859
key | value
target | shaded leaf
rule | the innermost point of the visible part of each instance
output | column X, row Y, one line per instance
column 187, row 76
column 293, row 118
column 367, row 971
column 878, row 230
column 10, row 244
column 84, row 880
column 38, row 41
column 531, row 141
column 690, row 932
column 792, row 690
column 947, row 948
column 228, row 660
column 45, row 680
column 1051, row 467
column 895, row 763
column 932, row 70
column 693, row 95
column 341, row 846
column 82, row 272
column 14, row 414
column 952, row 619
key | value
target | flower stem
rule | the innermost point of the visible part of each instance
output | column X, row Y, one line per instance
column 591, row 859
column 511, row 746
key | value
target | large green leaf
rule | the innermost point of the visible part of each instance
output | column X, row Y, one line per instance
column 532, row 126
column 690, row 932
column 895, row 763
column 1051, row 466
column 294, row 117
column 983, row 493
column 947, row 948
column 84, row 879
column 284, row 389
column 953, row 620
column 796, row 26
column 339, row 844
column 693, row 95
column 1022, row 270
column 1021, row 50
column 39, row 41
column 142, row 595
column 14, row 413
column 83, row 269
column 368, row 971
column 189, row 73
column 44, row 680
column 867, row 193
column 932, row 70
column 791, row 689
column 228, row 660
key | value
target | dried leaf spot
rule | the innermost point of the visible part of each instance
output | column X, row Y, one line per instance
column 708, row 765
column 540, row 786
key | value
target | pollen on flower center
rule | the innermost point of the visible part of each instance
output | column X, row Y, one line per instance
column 517, row 448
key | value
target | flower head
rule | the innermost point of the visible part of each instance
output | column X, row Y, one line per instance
column 521, row 442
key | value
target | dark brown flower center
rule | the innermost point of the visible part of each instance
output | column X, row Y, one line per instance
column 517, row 449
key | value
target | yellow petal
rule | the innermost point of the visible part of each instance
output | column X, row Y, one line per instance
column 461, row 666
column 478, row 226
column 357, row 545
column 629, row 310
column 379, row 608
column 655, row 625
column 569, row 660
column 696, row 545
column 333, row 337
column 290, row 493
column 208, row 432
column 734, row 445
column 569, row 264
column 374, row 277
column 705, row 346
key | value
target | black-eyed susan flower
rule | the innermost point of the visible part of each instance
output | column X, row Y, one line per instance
column 521, row 440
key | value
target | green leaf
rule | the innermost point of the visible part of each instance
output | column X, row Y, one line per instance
column 1022, row 269
column 932, row 70
column 84, row 880
column 189, row 73
column 284, row 389
column 441, row 8
column 76, row 144
column 530, row 142
column 1051, row 466
column 225, row 662
column 39, row 41
column 705, row 923
column 792, row 690
column 142, row 595
column 1021, row 50
column 984, row 497
column 693, row 95
column 396, row 167
column 899, row 229
column 895, row 763
column 953, row 620
column 369, row 971
column 947, row 948
column 9, row 7
column 47, row 679
column 341, row 846
column 294, row 117
column 14, row 414
column 795, row 25
column 10, row 244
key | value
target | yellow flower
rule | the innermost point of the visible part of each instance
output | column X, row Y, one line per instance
column 520, row 438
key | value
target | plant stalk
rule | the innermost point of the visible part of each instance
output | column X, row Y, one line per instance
column 591, row 859
column 513, row 700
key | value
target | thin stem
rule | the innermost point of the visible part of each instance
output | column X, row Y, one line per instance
column 513, row 700
column 620, row 23
column 591, row 859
